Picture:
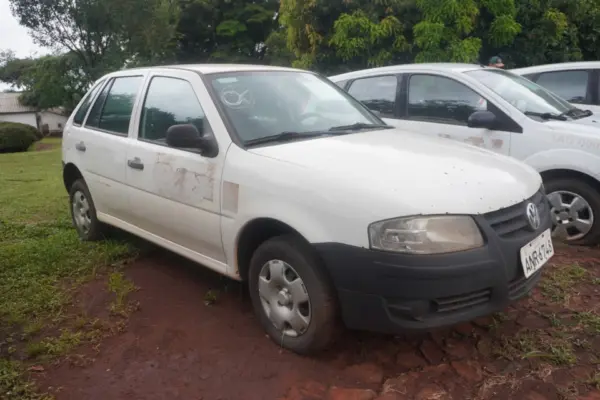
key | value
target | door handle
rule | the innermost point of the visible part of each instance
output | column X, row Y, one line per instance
column 136, row 163
column 80, row 146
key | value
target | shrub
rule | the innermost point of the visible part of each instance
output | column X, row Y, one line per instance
column 15, row 137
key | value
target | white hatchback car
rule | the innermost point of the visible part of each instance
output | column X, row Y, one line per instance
column 576, row 82
column 502, row 112
column 249, row 171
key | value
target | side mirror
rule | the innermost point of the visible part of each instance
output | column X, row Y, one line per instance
column 482, row 119
column 187, row 136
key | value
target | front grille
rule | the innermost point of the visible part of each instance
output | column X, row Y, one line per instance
column 455, row 303
column 511, row 222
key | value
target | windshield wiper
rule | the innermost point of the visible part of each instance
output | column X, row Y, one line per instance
column 577, row 113
column 558, row 117
column 358, row 126
column 285, row 137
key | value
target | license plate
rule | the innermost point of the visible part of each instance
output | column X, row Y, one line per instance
column 536, row 253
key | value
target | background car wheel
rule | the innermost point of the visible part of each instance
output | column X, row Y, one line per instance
column 292, row 296
column 575, row 211
column 83, row 212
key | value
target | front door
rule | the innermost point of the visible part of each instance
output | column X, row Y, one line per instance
column 175, row 193
column 440, row 106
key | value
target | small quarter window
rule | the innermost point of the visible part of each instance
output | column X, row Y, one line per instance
column 85, row 104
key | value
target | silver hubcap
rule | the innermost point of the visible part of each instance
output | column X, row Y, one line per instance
column 571, row 214
column 284, row 298
column 81, row 212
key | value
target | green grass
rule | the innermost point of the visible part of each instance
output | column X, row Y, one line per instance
column 41, row 263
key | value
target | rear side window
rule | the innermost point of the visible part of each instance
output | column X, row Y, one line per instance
column 85, row 104
column 570, row 85
column 377, row 93
column 112, row 110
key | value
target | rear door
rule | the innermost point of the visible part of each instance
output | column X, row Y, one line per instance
column 175, row 193
column 103, row 143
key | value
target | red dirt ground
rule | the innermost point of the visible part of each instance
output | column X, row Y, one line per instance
column 177, row 347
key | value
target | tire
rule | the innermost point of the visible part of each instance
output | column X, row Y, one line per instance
column 295, row 253
column 79, row 192
column 587, row 193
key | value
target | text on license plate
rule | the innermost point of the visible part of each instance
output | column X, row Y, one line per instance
column 537, row 253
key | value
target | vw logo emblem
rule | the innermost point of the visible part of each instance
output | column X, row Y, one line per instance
column 533, row 216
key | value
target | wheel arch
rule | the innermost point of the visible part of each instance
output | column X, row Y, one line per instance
column 70, row 174
column 253, row 234
column 564, row 173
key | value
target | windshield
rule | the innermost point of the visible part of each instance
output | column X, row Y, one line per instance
column 522, row 93
column 266, row 103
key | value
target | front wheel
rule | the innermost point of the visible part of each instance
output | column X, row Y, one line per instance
column 575, row 211
column 291, row 295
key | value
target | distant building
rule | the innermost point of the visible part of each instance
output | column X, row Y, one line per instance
column 49, row 122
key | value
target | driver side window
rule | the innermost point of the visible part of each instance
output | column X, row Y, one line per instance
column 435, row 98
column 168, row 102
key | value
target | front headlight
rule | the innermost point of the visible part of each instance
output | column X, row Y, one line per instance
column 425, row 235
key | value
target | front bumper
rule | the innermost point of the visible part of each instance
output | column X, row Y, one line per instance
column 390, row 292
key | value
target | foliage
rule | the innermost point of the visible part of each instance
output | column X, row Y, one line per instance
column 16, row 137
column 103, row 34
column 224, row 30
column 325, row 35
column 54, row 81
column 358, row 37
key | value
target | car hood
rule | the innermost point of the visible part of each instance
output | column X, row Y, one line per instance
column 409, row 171
column 589, row 125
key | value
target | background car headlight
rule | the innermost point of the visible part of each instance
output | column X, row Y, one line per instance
column 425, row 235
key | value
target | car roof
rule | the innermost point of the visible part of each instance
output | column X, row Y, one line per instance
column 396, row 69
column 209, row 68
column 557, row 67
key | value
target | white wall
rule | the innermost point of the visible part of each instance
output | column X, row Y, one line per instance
column 24, row 118
column 55, row 122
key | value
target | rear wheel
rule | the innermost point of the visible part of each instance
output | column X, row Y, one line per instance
column 575, row 211
column 291, row 295
column 83, row 213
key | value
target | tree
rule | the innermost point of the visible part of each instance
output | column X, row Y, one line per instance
column 224, row 30
column 103, row 34
column 446, row 32
column 357, row 37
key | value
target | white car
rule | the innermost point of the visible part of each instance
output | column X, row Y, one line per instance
column 576, row 82
column 322, row 213
column 502, row 112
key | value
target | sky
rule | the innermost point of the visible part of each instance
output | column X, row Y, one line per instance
column 15, row 37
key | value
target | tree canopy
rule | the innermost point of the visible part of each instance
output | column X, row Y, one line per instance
column 91, row 37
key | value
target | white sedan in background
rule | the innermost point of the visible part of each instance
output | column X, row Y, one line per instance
column 576, row 82
column 504, row 113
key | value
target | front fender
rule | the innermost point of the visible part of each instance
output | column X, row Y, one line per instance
column 569, row 159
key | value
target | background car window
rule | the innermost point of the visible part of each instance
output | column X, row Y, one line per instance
column 112, row 110
column 85, row 104
column 438, row 98
column 341, row 84
column 570, row 85
column 377, row 93
column 170, row 101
